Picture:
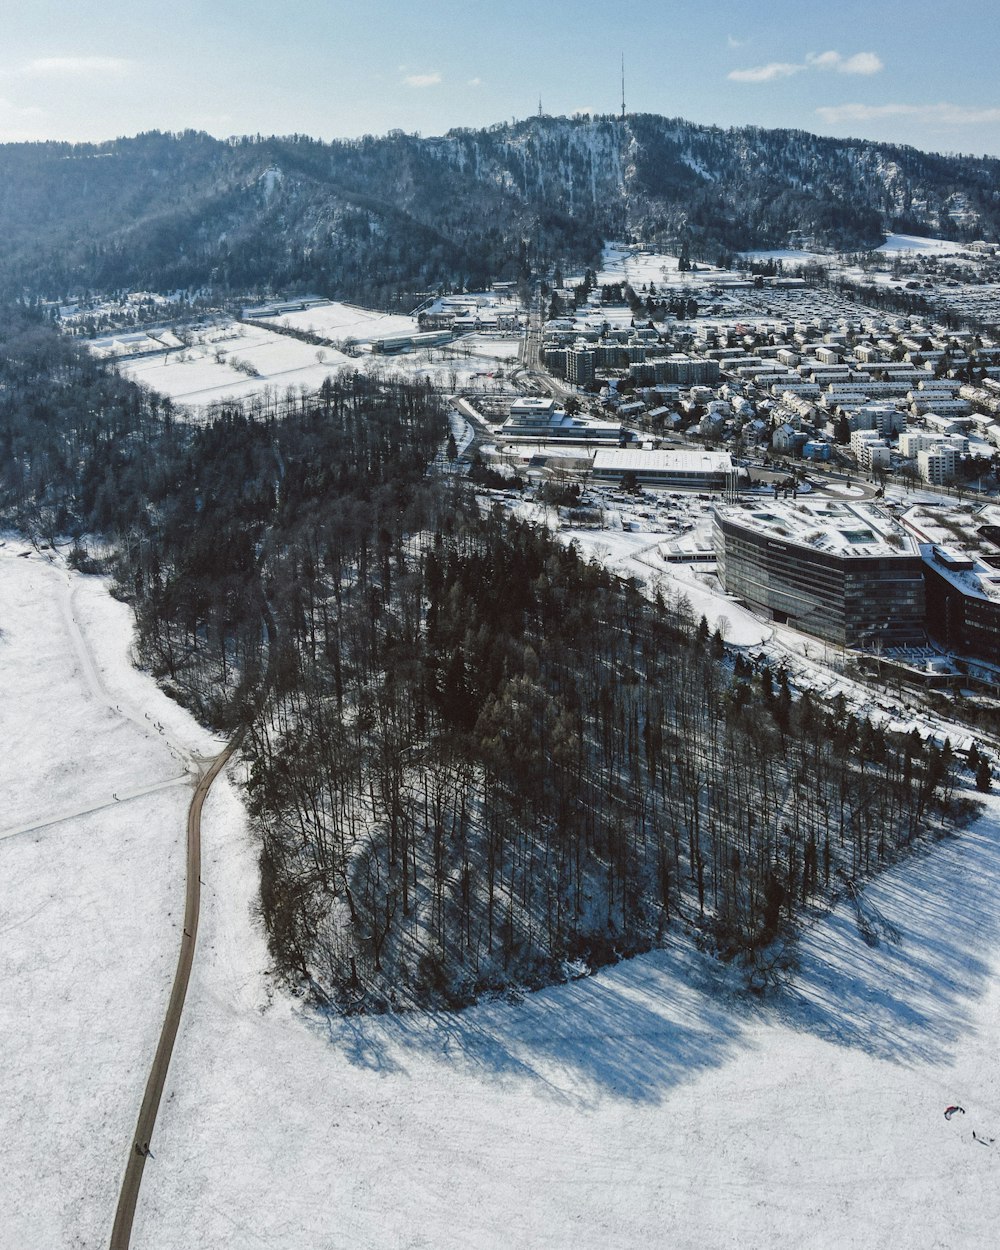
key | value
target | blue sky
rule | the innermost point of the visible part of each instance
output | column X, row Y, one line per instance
column 917, row 72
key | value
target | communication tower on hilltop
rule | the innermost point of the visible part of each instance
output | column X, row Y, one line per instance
column 623, row 86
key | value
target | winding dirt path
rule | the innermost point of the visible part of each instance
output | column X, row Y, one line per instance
column 143, row 1136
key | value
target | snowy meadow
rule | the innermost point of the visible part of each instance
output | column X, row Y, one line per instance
column 651, row 1104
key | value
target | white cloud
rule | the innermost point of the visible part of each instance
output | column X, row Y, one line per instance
column 824, row 60
column 859, row 63
column 77, row 67
column 422, row 80
column 944, row 114
column 766, row 73
column 733, row 42
column 474, row 82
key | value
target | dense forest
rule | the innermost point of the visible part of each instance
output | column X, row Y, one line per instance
column 199, row 517
column 474, row 760
column 511, row 766
column 378, row 218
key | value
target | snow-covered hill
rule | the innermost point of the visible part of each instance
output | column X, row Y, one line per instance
column 648, row 1105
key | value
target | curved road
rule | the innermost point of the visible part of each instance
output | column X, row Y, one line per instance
column 122, row 1230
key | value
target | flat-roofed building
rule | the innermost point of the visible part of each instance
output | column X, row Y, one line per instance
column 963, row 601
column 554, row 359
column 937, row 463
column 844, row 571
column 693, row 470
column 861, row 436
column 609, row 356
column 539, row 419
column 875, row 455
column 867, row 353
column 913, row 441
column 884, row 418
column 580, row 366
column 533, row 407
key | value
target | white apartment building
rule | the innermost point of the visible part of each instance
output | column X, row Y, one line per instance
column 875, row 455
column 911, row 442
column 828, row 355
column 871, row 450
column 937, row 464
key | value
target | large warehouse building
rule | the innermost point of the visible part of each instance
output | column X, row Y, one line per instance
column 845, row 572
column 692, row 470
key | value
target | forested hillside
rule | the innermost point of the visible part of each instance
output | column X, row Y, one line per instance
column 509, row 766
column 375, row 217
column 475, row 760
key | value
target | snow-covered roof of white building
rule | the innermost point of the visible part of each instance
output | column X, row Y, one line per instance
column 840, row 527
column 971, row 575
column 629, row 460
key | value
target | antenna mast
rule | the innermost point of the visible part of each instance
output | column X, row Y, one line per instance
column 623, row 86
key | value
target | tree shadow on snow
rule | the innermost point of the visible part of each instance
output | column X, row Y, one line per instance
column 896, row 975
column 905, row 990
column 632, row 1031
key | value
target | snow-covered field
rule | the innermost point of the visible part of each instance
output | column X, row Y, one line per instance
column 640, row 1107
column 506, row 348
column 917, row 243
column 895, row 244
column 790, row 256
column 348, row 321
column 661, row 268
column 91, row 864
column 207, row 371
column 644, row 1106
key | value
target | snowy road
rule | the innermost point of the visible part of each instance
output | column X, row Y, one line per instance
column 138, row 1148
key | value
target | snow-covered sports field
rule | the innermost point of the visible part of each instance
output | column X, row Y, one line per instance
column 233, row 361
column 347, row 321
column 645, row 1106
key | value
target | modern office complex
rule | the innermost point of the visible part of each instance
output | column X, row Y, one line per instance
column 541, row 420
column 843, row 571
column 963, row 601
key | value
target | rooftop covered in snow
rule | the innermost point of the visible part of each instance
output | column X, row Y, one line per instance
column 707, row 469
column 839, row 527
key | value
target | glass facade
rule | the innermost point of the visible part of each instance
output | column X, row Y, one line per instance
column 851, row 600
column 967, row 622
